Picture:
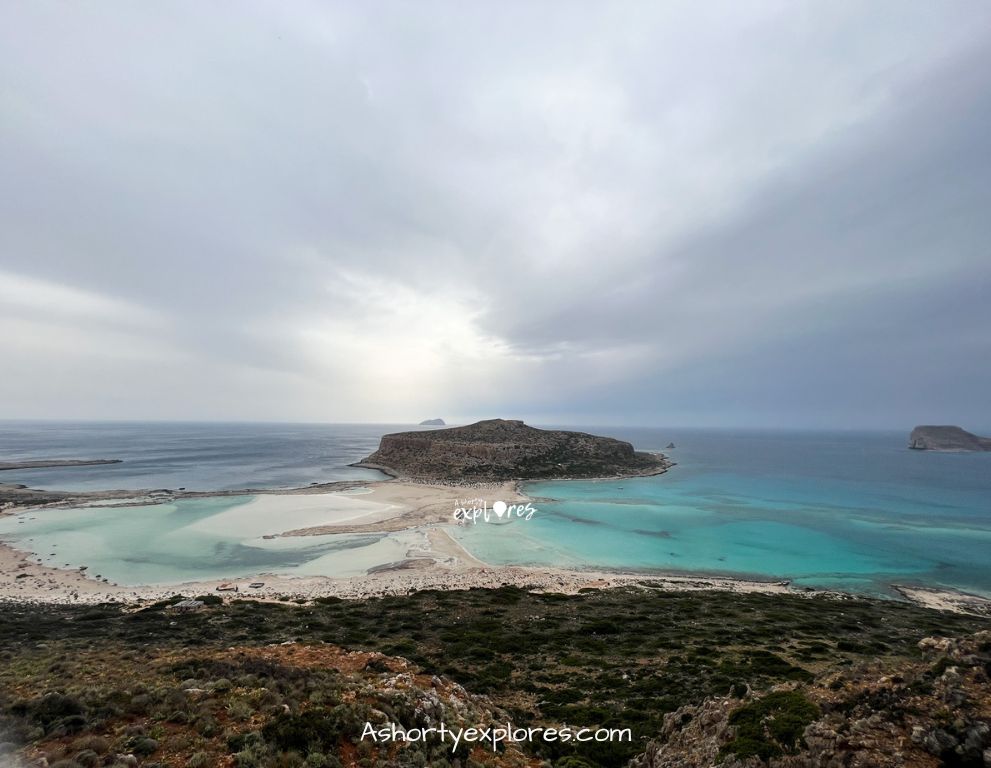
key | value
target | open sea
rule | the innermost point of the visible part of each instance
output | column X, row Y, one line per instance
column 855, row 511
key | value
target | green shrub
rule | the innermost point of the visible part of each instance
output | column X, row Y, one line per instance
column 770, row 726
column 143, row 745
column 573, row 762
column 306, row 732
column 53, row 708
column 140, row 704
column 316, row 730
column 94, row 743
column 252, row 757
column 240, row 710
column 88, row 758
column 210, row 599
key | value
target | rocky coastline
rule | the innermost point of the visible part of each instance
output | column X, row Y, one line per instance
column 51, row 463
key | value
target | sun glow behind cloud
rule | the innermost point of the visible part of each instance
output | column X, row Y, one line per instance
column 384, row 342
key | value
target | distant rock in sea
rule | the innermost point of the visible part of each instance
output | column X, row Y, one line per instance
column 498, row 450
column 669, row 447
column 946, row 438
column 432, row 423
column 46, row 463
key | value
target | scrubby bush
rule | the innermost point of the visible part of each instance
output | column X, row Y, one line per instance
column 320, row 760
column 316, row 730
column 140, row 704
column 88, row 758
column 573, row 762
column 143, row 745
column 55, row 708
column 306, row 732
column 251, row 757
column 240, row 710
column 91, row 742
column 206, row 726
column 770, row 726
column 210, row 599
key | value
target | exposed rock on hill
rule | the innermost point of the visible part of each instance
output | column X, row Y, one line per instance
column 935, row 712
column 947, row 438
column 316, row 702
column 496, row 450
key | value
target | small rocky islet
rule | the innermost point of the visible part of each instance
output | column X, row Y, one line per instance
column 946, row 438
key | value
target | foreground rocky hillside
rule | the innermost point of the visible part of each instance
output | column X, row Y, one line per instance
column 248, row 706
column 497, row 450
column 936, row 712
column 694, row 676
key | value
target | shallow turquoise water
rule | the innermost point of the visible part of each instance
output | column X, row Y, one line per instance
column 851, row 511
column 203, row 539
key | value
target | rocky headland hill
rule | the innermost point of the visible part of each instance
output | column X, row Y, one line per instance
column 947, row 438
column 498, row 450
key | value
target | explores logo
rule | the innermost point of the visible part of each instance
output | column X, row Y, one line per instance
column 474, row 510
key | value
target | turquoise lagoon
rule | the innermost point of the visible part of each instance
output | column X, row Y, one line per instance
column 855, row 511
column 851, row 511
column 209, row 538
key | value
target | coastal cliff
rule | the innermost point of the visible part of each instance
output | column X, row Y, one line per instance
column 946, row 438
column 498, row 450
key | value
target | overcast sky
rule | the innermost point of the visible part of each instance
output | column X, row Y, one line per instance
column 740, row 214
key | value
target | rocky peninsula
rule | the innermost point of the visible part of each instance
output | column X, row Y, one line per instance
column 497, row 450
column 946, row 438
column 49, row 463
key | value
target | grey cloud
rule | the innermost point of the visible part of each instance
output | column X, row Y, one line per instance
column 900, row 202
column 529, row 208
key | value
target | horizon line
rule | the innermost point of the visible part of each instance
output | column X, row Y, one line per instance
column 541, row 422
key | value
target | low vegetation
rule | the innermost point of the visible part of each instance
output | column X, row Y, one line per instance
column 268, row 684
column 770, row 726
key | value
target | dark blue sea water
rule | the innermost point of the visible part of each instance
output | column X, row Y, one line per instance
column 857, row 511
column 196, row 456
